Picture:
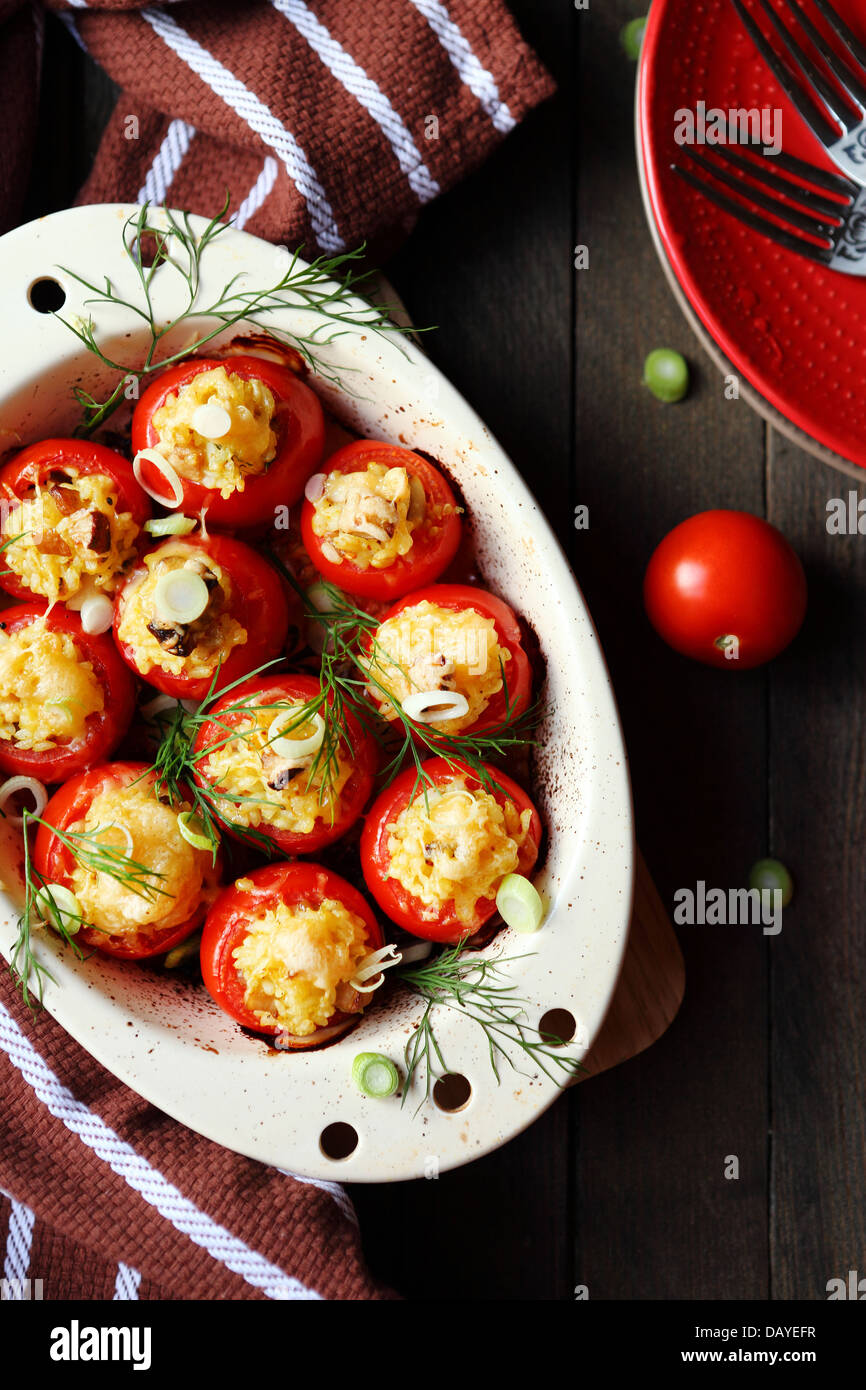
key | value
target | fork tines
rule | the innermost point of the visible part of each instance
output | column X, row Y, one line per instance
column 733, row 170
column 802, row 78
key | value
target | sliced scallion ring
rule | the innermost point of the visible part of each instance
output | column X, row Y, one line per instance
column 193, row 830
column 519, row 903
column 175, row 525
column 211, row 420
column 97, row 614
column 287, row 747
column 432, row 706
column 13, row 785
column 375, row 964
column 169, row 473
column 181, row 596
column 59, row 908
column 314, row 487
column 375, row 1075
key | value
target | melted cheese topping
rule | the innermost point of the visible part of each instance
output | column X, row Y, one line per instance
column 244, row 765
column 456, row 847
column 187, row 874
column 53, row 557
column 47, row 690
column 426, row 647
column 210, row 638
column 244, row 451
column 364, row 516
column 296, row 963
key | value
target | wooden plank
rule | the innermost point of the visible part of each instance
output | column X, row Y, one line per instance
column 490, row 263
column 655, row 1217
column 818, row 962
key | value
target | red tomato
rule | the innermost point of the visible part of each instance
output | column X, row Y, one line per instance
column 361, row 751
column 228, row 923
column 726, row 588
column 58, row 460
column 103, row 731
column 55, row 862
column 392, row 897
column 518, row 672
column 260, row 605
column 300, row 429
column 433, row 549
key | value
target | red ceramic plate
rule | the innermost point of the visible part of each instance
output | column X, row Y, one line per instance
column 795, row 331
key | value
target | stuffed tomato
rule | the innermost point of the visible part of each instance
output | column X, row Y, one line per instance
column 282, row 951
column 138, row 884
column 198, row 609
column 380, row 521
column 434, row 856
column 66, row 698
column 450, row 656
column 239, row 438
column 267, row 761
column 72, row 518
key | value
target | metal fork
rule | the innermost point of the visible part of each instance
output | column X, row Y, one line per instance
column 838, row 224
column 814, row 95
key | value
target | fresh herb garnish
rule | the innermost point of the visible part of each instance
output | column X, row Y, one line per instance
column 88, row 851
column 329, row 288
column 474, row 986
column 346, row 679
column 175, row 762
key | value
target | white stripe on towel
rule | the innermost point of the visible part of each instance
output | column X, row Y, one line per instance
column 258, row 117
column 155, row 1189
column 366, row 92
column 480, row 82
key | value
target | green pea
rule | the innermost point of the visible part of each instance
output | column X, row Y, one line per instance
column 666, row 373
column 770, row 874
column 631, row 37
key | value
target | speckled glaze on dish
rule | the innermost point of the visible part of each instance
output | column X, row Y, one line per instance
column 164, row 1037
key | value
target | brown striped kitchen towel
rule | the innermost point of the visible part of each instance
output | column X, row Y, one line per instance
column 328, row 122
column 104, row 1196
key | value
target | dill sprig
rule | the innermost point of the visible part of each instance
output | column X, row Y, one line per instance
column 346, row 677
column 331, row 288
column 40, row 904
column 175, row 761
column 474, row 987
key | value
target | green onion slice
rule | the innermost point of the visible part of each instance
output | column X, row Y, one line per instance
column 60, row 908
column 375, row 1075
column 519, row 903
column 193, row 830
column 175, row 525
column 180, row 596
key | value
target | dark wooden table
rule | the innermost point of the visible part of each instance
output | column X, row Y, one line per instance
column 621, row 1186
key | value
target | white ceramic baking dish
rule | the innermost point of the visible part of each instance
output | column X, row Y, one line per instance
column 162, row 1036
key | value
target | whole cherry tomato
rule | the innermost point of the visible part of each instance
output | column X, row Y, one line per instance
column 395, row 900
column 726, row 588
column 103, row 730
column 298, row 423
column 228, row 922
column 434, row 540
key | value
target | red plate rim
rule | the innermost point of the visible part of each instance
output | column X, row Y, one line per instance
column 761, row 391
